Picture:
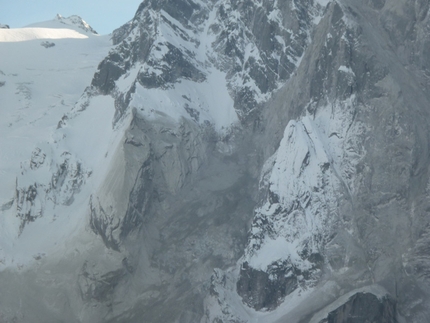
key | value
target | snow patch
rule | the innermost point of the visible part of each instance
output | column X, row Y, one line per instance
column 25, row 34
column 312, row 169
column 346, row 69
column 273, row 250
column 208, row 101
column 59, row 22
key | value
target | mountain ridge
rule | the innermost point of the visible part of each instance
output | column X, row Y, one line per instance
column 260, row 161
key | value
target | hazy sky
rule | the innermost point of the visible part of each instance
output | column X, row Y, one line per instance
column 103, row 15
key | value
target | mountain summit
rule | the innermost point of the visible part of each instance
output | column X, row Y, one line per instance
column 73, row 22
column 76, row 21
column 226, row 161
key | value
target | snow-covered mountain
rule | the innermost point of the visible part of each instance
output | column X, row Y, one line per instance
column 218, row 161
column 44, row 72
column 59, row 22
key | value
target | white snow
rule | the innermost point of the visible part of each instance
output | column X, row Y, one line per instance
column 126, row 81
column 92, row 141
column 210, row 99
column 297, row 176
column 25, row 34
column 176, row 36
column 40, row 85
column 312, row 168
column 206, row 101
column 277, row 249
column 346, row 69
column 321, row 5
column 276, row 16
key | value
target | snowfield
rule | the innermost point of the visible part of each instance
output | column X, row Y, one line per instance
column 43, row 73
column 25, row 34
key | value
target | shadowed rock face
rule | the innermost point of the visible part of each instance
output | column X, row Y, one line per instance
column 364, row 307
column 261, row 289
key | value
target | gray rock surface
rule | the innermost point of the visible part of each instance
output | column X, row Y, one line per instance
column 321, row 189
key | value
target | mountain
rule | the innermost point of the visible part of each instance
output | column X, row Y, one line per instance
column 44, row 71
column 74, row 22
column 219, row 161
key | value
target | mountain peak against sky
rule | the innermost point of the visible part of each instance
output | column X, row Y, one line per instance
column 71, row 22
column 76, row 20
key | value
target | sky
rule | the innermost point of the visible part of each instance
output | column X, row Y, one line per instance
column 103, row 15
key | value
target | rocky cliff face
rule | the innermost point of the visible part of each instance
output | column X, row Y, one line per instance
column 77, row 22
column 270, row 165
column 363, row 307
